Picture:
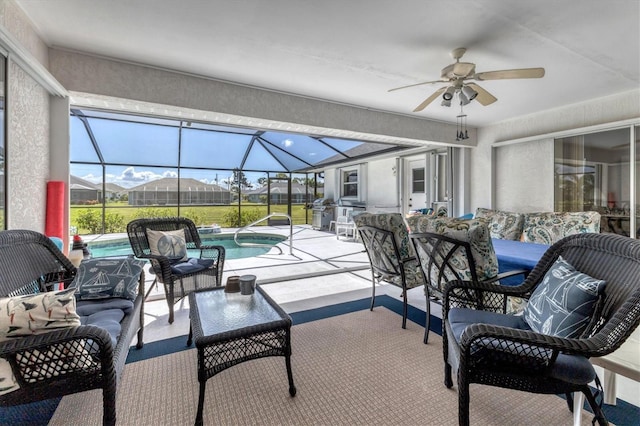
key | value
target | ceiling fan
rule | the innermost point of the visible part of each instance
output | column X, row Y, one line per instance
column 458, row 75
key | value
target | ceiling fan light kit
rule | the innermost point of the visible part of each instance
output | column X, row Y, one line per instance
column 469, row 92
column 448, row 94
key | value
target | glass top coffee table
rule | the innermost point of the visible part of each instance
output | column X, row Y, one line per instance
column 230, row 328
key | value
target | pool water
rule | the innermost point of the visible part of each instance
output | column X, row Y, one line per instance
column 121, row 247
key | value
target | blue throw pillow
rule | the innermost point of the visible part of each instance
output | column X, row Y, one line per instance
column 564, row 302
column 104, row 278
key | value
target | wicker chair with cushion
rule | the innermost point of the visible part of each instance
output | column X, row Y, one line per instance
column 584, row 302
column 178, row 258
column 386, row 240
column 451, row 249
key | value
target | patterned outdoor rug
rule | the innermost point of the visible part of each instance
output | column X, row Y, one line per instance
column 357, row 368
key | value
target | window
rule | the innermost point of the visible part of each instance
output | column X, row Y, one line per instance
column 350, row 183
column 417, row 181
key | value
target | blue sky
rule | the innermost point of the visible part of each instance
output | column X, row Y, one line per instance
column 144, row 149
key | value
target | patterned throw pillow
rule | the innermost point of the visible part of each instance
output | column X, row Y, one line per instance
column 473, row 231
column 395, row 223
column 563, row 303
column 551, row 227
column 106, row 278
column 171, row 244
column 33, row 314
column 503, row 225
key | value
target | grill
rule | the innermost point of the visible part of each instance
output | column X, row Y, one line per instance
column 351, row 208
column 323, row 212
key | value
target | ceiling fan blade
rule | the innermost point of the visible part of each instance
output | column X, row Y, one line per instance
column 430, row 99
column 484, row 97
column 418, row 84
column 506, row 74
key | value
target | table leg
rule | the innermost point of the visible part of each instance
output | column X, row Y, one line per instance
column 292, row 388
column 200, row 404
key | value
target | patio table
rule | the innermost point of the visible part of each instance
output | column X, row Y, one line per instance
column 513, row 255
column 230, row 328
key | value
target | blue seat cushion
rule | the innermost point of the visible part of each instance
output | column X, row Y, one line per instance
column 109, row 319
column 574, row 369
column 191, row 266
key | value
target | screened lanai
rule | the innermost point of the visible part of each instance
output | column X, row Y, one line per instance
column 125, row 166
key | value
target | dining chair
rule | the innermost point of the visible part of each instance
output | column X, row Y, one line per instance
column 450, row 249
column 391, row 256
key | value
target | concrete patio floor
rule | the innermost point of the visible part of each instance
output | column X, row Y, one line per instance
column 320, row 270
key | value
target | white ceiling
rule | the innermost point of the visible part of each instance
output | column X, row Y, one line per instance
column 352, row 52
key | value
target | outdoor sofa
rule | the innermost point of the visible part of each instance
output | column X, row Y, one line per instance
column 58, row 342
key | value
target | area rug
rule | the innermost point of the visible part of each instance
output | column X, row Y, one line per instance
column 358, row 368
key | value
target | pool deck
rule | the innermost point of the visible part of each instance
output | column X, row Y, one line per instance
column 316, row 270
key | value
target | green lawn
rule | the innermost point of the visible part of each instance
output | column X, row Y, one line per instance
column 88, row 219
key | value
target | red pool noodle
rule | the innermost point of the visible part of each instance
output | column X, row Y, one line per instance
column 54, row 220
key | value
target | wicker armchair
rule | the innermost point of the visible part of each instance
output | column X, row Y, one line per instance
column 179, row 276
column 444, row 259
column 386, row 240
column 67, row 360
column 500, row 350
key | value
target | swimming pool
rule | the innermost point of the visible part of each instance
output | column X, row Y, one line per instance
column 121, row 247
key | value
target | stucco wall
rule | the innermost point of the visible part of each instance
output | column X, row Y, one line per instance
column 28, row 131
column 382, row 186
column 522, row 171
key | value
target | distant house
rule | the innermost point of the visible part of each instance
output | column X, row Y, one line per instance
column 300, row 194
column 113, row 191
column 82, row 191
column 163, row 192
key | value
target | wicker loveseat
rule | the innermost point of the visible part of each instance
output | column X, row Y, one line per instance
column 50, row 353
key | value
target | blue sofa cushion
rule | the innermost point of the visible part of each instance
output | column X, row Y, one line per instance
column 460, row 318
column 191, row 266
column 89, row 307
column 109, row 319
column 563, row 303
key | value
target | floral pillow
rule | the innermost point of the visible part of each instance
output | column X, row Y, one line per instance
column 551, row 227
column 473, row 231
column 395, row 223
column 503, row 225
column 563, row 303
column 171, row 244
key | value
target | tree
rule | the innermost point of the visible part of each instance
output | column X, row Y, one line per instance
column 239, row 181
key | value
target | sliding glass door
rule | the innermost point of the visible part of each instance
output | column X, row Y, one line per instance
column 595, row 172
column 3, row 142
